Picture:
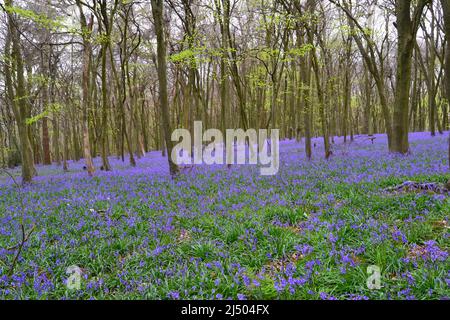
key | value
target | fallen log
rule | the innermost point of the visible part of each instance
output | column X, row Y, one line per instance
column 411, row 186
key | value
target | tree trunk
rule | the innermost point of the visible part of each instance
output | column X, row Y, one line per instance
column 305, row 84
column 446, row 7
column 66, row 145
column 45, row 135
column 46, row 142
column 18, row 101
column 157, row 11
column 224, row 85
column 347, row 88
column 104, row 133
column 55, row 124
column 86, row 101
column 320, row 91
column 407, row 31
column 431, row 77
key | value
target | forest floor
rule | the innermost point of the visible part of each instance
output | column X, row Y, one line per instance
column 309, row 232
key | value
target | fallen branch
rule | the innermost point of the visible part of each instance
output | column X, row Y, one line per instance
column 410, row 186
column 25, row 237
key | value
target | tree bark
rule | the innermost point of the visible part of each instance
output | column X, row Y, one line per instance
column 407, row 31
column 320, row 91
column 19, row 98
column 45, row 134
column 157, row 11
column 446, row 9
column 305, row 84
column 86, row 101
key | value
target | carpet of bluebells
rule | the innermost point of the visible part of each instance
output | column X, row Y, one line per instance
column 214, row 232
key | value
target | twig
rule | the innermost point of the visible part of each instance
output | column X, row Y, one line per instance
column 11, row 176
column 25, row 238
column 25, row 235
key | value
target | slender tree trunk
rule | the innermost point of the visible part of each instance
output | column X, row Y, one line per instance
column 347, row 88
column 431, row 78
column 45, row 134
column 224, row 85
column 157, row 11
column 66, row 145
column 320, row 92
column 55, row 122
column 446, row 7
column 368, row 104
column 46, row 142
column 305, row 84
column 104, row 133
column 86, row 101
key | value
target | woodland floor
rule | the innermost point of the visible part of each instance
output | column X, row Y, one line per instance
column 309, row 232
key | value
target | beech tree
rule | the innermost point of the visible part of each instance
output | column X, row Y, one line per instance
column 158, row 13
column 407, row 26
column 17, row 92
